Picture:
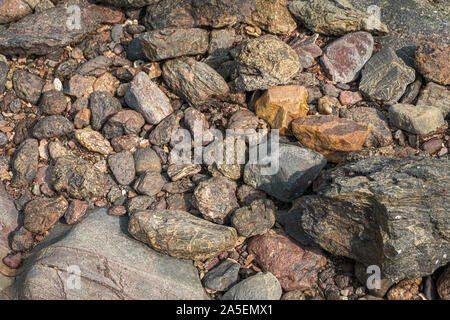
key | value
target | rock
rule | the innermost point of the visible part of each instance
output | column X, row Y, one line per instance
column 180, row 234
column 149, row 183
column 102, row 105
column 124, row 122
column 405, row 290
column 242, row 120
column 443, row 285
column 416, row 119
column 222, row 277
column 262, row 286
column 76, row 211
column 8, row 223
column 129, row 3
column 78, row 178
column 433, row 145
column 282, row 104
column 52, row 126
column 298, row 168
column 163, row 132
column 94, row 67
column 122, row 167
column 272, row 16
column 412, row 91
column 82, row 118
column 127, row 142
column 368, row 211
column 46, row 31
column 22, row 240
column 194, row 81
column 264, row 62
column 107, row 255
column 24, row 163
column 330, row 135
column 134, row 50
column 345, row 57
column 93, row 141
column 380, row 135
column 4, row 69
column 80, row 86
column 295, row 267
column 257, row 218
column 221, row 41
column 3, row 139
column 13, row 10
column 146, row 159
column 56, row 149
column 431, row 61
column 330, row 90
column 139, row 203
column 350, row 97
column 53, row 102
column 180, row 171
column 247, row 194
column 27, row 86
column 385, row 77
column 191, row 13
column 436, row 96
column 334, row 18
column 172, row 43
column 216, row 198
column 306, row 47
column 328, row 105
column 41, row 214
column 145, row 97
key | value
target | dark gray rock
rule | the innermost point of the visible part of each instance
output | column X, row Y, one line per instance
column 3, row 139
column 53, row 102
column 4, row 69
column 262, row 286
column 24, row 163
column 162, row 133
column 134, row 50
column 222, row 277
column 416, row 119
column 124, row 122
column 380, row 211
column 122, row 167
column 149, row 183
column 27, row 86
column 257, row 218
column 52, row 126
column 102, row 105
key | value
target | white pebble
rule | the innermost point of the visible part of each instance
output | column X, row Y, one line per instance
column 58, row 85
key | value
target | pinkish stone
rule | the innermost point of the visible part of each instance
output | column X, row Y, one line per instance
column 307, row 44
column 76, row 211
column 350, row 97
column 345, row 57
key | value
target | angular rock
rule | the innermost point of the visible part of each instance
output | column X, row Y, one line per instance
column 264, row 62
column 194, row 81
column 113, row 267
column 380, row 135
column 242, row 120
column 82, row 118
column 282, row 104
column 179, row 171
column 149, row 183
column 79, row 178
column 180, row 234
column 145, row 97
column 27, row 86
column 436, row 96
column 146, row 159
column 431, row 61
column 122, row 167
column 298, row 168
column 172, row 43
column 350, row 97
column 216, row 198
column 295, row 267
column 369, row 211
column 328, row 105
column 46, row 31
column 385, row 77
column 334, row 18
column 93, row 141
column 222, row 277
column 247, row 194
column 405, row 290
column 272, row 16
column 330, row 135
column 80, row 86
column 307, row 46
column 416, row 119
column 127, row 142
column 41, row 214
column 4, row 69
column 24, row 163
column 52, row 126
column 124, row 122
column 163, row 132
column 139, row 203
column 345, row 57
column 22, row 240
column 76, row 211
column 262, row 286
column 102, row 105
column 53, row 102
column 255, row 219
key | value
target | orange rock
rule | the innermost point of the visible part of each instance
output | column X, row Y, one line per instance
column 82, row 118
column 282, row 104
column 106, row 82
column 330, row 135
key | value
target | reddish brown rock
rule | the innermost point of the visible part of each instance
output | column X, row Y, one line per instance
column 117, row 211
column 123, row 123
column 42, row 213
column 13, row 261
column 13, row 10
column 82, row 118
column 76, row 211
column 432, row 62
column 127, row 142
column 331, row 136
column 307, row 44
column 295, row 267
column 350, row 97
column 80, row 86
column 281, row 104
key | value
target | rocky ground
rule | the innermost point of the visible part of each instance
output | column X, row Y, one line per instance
column 90, row 187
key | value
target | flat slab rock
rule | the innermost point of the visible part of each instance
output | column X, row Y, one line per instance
column 113, row 266
column 392, row 213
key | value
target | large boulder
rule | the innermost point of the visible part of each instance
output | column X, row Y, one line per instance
column 111, row 265
column 392, row 213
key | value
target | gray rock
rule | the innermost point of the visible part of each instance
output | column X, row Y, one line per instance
column 139, row 203
column 194, row 81
column 162, row 133
column 53, row 102
column 262, row 286
column 124, row 122
column 102, row 105
column 4, row 69
column 380, row 211
column 122, row 167
column 52, row 126
column 264, row 62
column 116, row 32
column 172, row 43
column 27, row 86
column 3, row 139
column 385, row 77
column 134, row 50
column 146, row 159
column 298, row 168
column 221, row 42
column 24, row 163
column 180, row 234
column 94, row 67
column 222, row 277
column 437, row 96
column 8, row 222
column 112, row 266
column 145, row 97
column 79, row 178
column 416, row 119
column 149, row 183
column 257, row 218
